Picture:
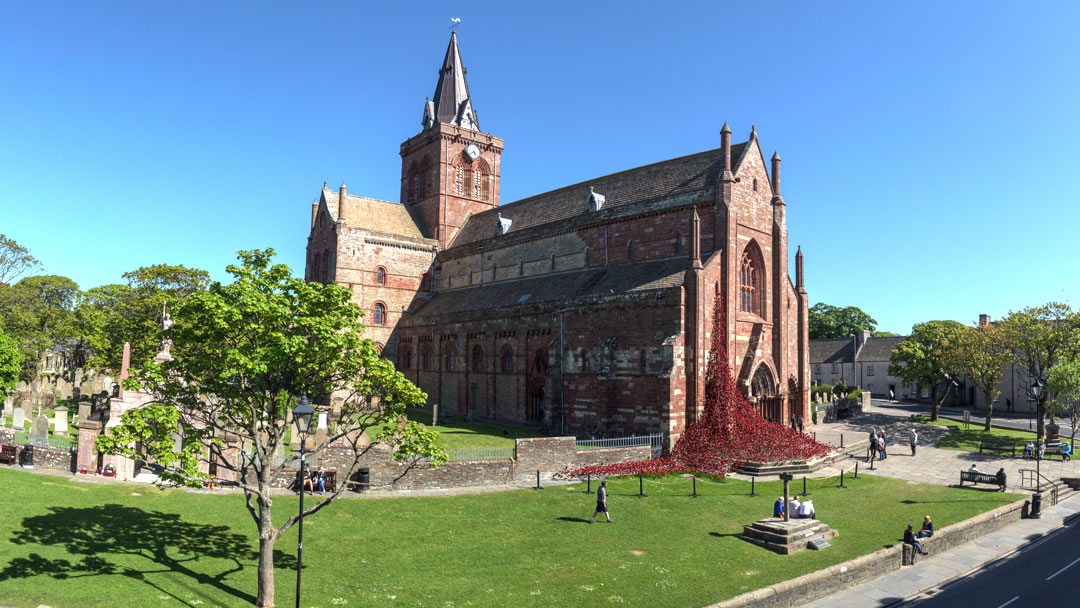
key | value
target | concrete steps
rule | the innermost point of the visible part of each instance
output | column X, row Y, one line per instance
column 787, row 537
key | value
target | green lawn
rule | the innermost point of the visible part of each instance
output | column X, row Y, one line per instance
column 457, row 434
column 72, row 544
column 967, row 440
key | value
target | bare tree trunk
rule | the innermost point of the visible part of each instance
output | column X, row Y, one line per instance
column 989, row 411
column 265, row 598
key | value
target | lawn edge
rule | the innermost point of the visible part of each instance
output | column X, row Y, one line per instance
column 825, row 582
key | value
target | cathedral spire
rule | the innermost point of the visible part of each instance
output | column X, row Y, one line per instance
column 452, row 104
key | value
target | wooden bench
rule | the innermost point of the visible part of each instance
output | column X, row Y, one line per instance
column 8, row 454
column 330, row 485
column 977, row 478
column 998, row 444
column 1053, row 449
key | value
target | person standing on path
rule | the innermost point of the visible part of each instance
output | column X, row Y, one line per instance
column 601, row 503
column 1001, row 478
column 872, row 450
column 913, row 440
column 881, row 446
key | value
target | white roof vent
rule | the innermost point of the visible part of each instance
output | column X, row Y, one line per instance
column 596, row 200
column 504, row 224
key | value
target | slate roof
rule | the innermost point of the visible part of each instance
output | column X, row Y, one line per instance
column 561, row 287
column 879, row 349
column 830, row 351
column 452, row 102
column 671, row 182
column 374, row 214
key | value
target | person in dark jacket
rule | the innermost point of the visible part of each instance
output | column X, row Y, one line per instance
column 1001, row 478
column 927, row 528
column 909, row 539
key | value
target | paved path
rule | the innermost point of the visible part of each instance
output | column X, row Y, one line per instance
column 960, row 561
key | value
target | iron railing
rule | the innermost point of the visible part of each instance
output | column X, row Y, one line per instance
column 654, row 441
column 56, row 443
column 481, row 454
column 1029, row 475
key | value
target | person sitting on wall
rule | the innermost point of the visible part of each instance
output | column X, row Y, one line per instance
column 909, row 539
column 793, row 506
column 806, row 510
column 927, row 528
column 1066, row 452
column 1001, row 477
column 778, row 507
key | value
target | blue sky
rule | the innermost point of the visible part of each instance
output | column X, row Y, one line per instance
column 930, row 149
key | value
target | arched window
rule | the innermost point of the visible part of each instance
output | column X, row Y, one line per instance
column 459, row 180
column 379, row 317
column 407, row 359
column 477, row 359
column 410, row 184
column 678, row 244
column 508, row 360
column 480, row 182
column 755, row 184
column 380, row 276
column 449, row 360
column 425, row 359
column 747, row 284
column 588, row 256
column 326, row 265
column 553, row 262
column 424, row 188
column 630, row 250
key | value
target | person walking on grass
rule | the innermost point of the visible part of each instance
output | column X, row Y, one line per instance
column 601, row 503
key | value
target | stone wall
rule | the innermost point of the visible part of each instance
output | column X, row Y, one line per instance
column 44, row 458
column 809, row 587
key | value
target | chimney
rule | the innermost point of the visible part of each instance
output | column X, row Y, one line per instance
column 341, row 203
column 863, row 336
column 776, row 173
column 984, row 320
column 725, row 145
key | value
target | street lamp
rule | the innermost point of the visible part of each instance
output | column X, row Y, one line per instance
column 302, row 414
column 1036, row 499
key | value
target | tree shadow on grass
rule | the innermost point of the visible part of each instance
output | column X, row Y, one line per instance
column 166, row 543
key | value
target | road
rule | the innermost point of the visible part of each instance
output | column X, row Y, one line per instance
column 1043, row 574
column 1010, row 420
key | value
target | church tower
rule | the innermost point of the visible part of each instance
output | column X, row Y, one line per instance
column 450, row 170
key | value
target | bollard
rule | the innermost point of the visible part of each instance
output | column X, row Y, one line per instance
column 538, row 480
column 841, row 440
column 752, row 480
column 856, row 469
column 695, row 494
column 588, row 483
column 815, row 435
column 841, row 479
column 805, row 493
column 641, row 487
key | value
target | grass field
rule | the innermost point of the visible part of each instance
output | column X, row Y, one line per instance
column 65, row 544
column 968, row 439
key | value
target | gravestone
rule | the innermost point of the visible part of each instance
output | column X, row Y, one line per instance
column 76, row 393
column 9, row 404
column 84, row 411
column 60, row 422
column 48, row 400
column 39, row 431
column 19, row 420
column 322, row 422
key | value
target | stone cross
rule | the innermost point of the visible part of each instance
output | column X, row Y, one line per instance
column 786, row 478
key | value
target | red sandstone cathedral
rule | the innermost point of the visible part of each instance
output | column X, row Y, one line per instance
column 582, row 310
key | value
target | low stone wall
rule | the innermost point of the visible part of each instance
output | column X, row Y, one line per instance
column 816, row 585
column 44, row 458
column 549, row 455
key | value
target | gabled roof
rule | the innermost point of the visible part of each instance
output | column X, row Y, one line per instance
column 830, row 351
column 373, row 214
column 560, row 287
column 676, row 181
column 879, row 349
column 452, row 102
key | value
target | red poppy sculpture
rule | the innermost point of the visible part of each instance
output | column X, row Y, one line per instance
column 730, row 433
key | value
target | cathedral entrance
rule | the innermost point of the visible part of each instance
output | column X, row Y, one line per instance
column 764, row 395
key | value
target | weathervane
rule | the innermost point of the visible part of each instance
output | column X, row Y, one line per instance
column 454, row 21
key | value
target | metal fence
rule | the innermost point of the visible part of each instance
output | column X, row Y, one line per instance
column 654, row 441
column 486, row 454
column 56, row 443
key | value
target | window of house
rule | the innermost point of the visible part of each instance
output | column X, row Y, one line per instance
column 835, row 368
column 379, row 317
column 869, row 370
column 380, row 275
column 408, row 359
column 425, row 360
column 449, row 360
column 478, row 359
column 508, row 361
column 817, row 369
column 588, row 256
column 746, row 284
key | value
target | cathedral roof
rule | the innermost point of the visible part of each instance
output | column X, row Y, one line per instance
column 671, row 182
column 373, row 214
column 588, row 282
column 452, row 104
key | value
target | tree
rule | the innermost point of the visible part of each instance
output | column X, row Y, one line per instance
column 251, row 348
column 10, row 364
column 833, row 322
column 923, row 358
column 15, row 260
column 1063, row 382
column 111, row 315
column 981, row 353
column 37, row 312
column 1039, row 337
column 884, row 334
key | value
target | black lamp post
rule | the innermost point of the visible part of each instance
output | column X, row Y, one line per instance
column 302, row 415
column 1036, row 499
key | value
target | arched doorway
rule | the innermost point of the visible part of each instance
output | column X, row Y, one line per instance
column 536, row 401
column 764, row 395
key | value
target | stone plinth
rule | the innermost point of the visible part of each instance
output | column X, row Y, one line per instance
column 786, row 537
column 88, row 432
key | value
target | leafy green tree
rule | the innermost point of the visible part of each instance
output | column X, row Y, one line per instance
column 1040, row 337
column 923, row 358
column 10, row 364
column 981, row 353
column 828, row 321
column 111, row 315
column 15, row 260
column 884, row 334
column 38, row 313
column 251, row 348
column 1063, row 382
